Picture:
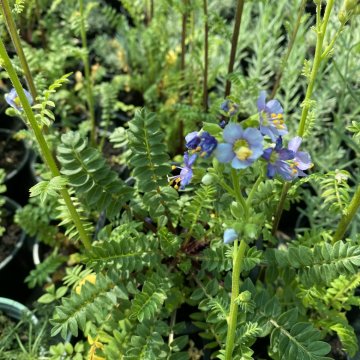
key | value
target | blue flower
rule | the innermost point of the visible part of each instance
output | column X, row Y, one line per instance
column 302, row 159
column 230, row 236
column 271, row 117
column 277, row 161
column 13, row 100
column 201, row 142
column 186, row 172
column 229, row 107
column 242, row 147
column 192, row 140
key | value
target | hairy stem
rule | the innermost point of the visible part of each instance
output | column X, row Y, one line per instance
column 321, row 26
column 239, row 197
column 238, row 260
column 234, row 41
column 289, row 48
column 45, row 151
column 10, row 23
column 206, row 58
column 349, row 214
column 321, row 31
column 88, row 81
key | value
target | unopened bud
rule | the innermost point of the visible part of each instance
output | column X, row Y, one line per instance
column 207, row 179
column 343, row 16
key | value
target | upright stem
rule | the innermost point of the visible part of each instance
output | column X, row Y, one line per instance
column 238, row 260
column 183, row 37
column 289, row 48
column 88, row 81
column 10, row 23
column 206, row 58
column 348, row 216
column 46, row 153
column 236, row 184
column 321, row 31
column 234, row 41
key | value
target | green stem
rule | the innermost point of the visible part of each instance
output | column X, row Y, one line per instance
column 254, row 189
column 206, row 58
column 88, row 81
column 321, row 31
column 45, row 151
column 238, row 260
column 234, row 41
column 238, row 194
column 348, row 216
column 10, row 23
column 289, row 49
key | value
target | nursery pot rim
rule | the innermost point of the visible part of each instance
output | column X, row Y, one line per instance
column 15, row 310
column 23, row 161
column 21, row 238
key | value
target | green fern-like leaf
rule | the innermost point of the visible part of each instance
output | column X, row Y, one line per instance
column 91, row 177
column 150, row 161
column 148, row 302
column 94, row 302
column 124, row 254
column 197, row 213
column 38, row 276
column 321, row 264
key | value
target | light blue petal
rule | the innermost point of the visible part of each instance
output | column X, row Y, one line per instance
column 232, row 132
column 295, row 143
column 224, row 153
column 230, row 236
column 261, row 101
column 253, row 136
column 239, row 164
column 274, row 107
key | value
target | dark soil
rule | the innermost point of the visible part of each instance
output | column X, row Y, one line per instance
column 10, row 237
column 11, row 154
column 110, row 154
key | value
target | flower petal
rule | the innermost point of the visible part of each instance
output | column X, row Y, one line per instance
column 261, row 101
column 295, row 143
column 224, row 153
column 303, row 160
column 286, row 154
column 230, row 236
column 253, row 136
column 192, row 140
column 271, row 171
column 274, row 107
column 239, row 164
column 232, row 132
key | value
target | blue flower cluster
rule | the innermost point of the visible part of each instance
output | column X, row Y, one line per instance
column 243, row 146
column 200, row 144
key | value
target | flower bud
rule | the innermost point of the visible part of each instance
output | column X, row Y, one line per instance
column 230, row 236
column 207, row 179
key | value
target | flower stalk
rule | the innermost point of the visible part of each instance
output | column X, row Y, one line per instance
column 347, row 216
column 45, row 151
column 234, row 41
column 88, row 80
column 321, row 26
column 238, row 262
column 289, row 49
column 206, row 58
column 15, row 38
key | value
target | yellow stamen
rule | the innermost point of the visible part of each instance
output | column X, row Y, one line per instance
column 176, row 187
column 177, row 180
column 243, row 153
column 173, row 167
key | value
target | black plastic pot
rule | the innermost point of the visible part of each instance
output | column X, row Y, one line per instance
column 16, row 266
column 18, row 180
